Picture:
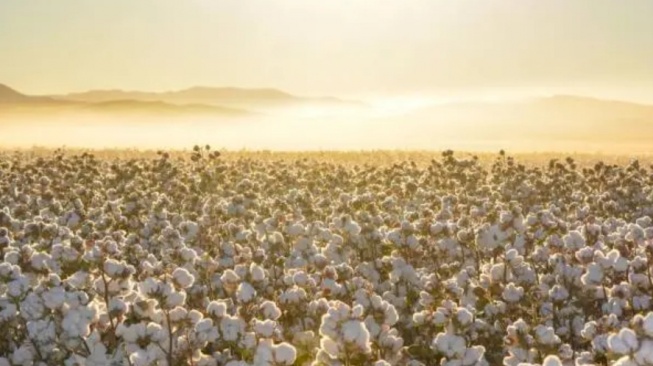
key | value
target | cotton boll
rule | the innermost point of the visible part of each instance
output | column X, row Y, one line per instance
column 117, row 306
column 552, row 361
column 284, row 354
column 264, row 328
column 54, row 297
column 264, row 353
column 270, row 310
column 178, row 314
column 593, row 275
column 624, row 342
column 330, row 346
column 23, row 356
column 512, row 293
column 141, row 358
column 206, row 331
column 464, row 317
column 257, row 272
column 217, row 309
column 232, row 328
column 646, row 323
column 175, row 299
column 113, row 268
column 546, row 335
column 245, row 292
column 355, row 332
column 644, row 356
column 450, row 345
column 182, row 277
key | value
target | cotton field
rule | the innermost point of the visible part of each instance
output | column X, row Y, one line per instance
column 200, row 260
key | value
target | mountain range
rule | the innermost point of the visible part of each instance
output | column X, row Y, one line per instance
column 224, row 101
column 558, row 117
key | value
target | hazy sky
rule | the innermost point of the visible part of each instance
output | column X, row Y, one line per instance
column 343, row 47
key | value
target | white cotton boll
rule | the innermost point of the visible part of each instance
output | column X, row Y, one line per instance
column 245, row 292
column 188, row 254
column 439, row 317
column 217, row 309
column 178, row 314
column 112, row 267
column 183, row 278
column 12, row 257
column 381, row 363
column 498, row 272
column 573, row 240
column 419, row 318
column 4, row 361
column 329, row 346
column 464, row 317
column 141, row 358
column 39, row 261
column 473, row 356
column 354, row 331
column 644, row 356
column 264, row 328
column 647, row 324
column 23, row 355
column 270, row 310
column 295, row 229
column 624, row 342
column 257, row 272
column 450, row 345
column 195, row 316
column 155, row 331
column 205, row 330
column 78, row 279
column 232, row 328
column 174, row 299
column 284, row 354
column 248, row 340
column 593, row 275
column 149, row 286
column 126, row 332
column 18, row 287
column 77, row 322
column 117, row 306
column 558, row 293
column 352, row 228
column 546, row 335
column 42, row 330
column 512, row 293
column 552, row 360
column 54, row 297
column 357, row 311
column 264, row 353
column 300, row 278
column 8, row 311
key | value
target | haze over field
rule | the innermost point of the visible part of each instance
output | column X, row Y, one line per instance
column 311, row 75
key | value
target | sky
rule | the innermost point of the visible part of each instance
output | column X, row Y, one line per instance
column 329, row 47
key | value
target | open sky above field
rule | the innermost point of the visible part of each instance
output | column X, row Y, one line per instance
column 335, row 47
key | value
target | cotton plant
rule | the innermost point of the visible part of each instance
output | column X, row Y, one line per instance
column 205, row 261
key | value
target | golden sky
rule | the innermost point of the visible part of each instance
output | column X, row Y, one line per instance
column 339, row 47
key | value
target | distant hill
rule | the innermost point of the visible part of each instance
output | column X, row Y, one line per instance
column 12, row 101
column 153, row 108
column 254, row 99
column 556, row 117
column 9, row 95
